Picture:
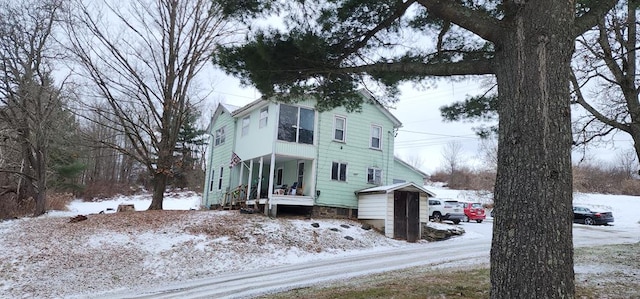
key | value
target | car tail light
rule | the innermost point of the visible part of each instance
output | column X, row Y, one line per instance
column 597, row 215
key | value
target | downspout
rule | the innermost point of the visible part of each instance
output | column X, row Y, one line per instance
column 388, row 158
column 207, row 185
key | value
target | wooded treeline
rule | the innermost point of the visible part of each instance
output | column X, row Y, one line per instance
column 100, row 98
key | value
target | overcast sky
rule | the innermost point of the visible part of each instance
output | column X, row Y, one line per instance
column 423, row 134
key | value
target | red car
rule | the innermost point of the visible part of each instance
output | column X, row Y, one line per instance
column 474, row 211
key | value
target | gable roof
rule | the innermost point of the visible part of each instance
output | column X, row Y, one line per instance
column 424, row 175
column 220, row 109
column 390, row 188
column 382, row 108
column 248, row 107
column 238, row 111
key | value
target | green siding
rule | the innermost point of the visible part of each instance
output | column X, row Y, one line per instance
column 219, row 157
column 355, row 152
column 406, row 173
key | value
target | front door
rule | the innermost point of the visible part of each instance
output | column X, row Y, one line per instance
column 300, row 176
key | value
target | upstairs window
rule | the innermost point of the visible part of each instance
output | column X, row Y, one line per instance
column 374, row 176
column 376, row 137
column 219, row 137
column 264, row 116
column 245, row 125
column 339, row 172
column 296, row 124
column 340, row 128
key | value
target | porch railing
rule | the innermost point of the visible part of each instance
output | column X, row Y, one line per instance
column 235, row 198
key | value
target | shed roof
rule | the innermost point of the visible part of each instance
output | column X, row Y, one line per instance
column 394, row 187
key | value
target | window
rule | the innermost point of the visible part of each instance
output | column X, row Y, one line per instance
column 220, row 180
column 219, row 137
column 340, row 127
column 296, row 124
column 212, row 180
column 264, row 115
column 374, row 176
column 339, row 171
column 279, row 177
column 376, row 137
column 245, row 125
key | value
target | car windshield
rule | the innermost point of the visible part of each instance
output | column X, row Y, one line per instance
column 476, row 205
column 452, row 203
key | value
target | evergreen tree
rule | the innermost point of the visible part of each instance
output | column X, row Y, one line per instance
column 331, row 48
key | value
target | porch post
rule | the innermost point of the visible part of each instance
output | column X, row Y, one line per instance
column 272, row 168
column 241, row 175
column 260, row 177
column 314, row 166
column 249, row 180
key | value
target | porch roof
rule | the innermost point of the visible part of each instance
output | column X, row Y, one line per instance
column 394, row 187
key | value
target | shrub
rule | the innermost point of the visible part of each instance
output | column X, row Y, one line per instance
column 58, row 201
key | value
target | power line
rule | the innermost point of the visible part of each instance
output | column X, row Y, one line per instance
column 470, row 136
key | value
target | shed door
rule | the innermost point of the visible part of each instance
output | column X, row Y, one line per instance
column 406, row 216
column 413, row 216
column 400, row 215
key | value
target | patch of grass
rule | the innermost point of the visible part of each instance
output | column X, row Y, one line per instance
column 602, row 272
column 608, row 271
column 410, row 284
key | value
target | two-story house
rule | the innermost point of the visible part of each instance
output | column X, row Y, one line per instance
column 293, row 156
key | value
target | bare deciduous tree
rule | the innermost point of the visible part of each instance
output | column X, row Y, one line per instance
column 452, row 155
column 143, row 57
column 605, row 78
column 414, row 160
column 489, row 150
column 29, row 100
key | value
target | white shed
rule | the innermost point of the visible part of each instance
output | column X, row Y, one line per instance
column 397, row 209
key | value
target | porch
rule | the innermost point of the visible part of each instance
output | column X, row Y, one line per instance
column 293, row 200
column 275, row 180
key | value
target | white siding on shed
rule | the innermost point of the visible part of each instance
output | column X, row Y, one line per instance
column 372, row 206
column 388, row 226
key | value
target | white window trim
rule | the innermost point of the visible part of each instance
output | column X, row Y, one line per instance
column 219, row 137
column 245, row 126
column 346, row 167
column 212, row 179
column 344, row 129
column 297, row 125
column 221, row 177
column 264, row 118
column 375, row 169
column 371, row 137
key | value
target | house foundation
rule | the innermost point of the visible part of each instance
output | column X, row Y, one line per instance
column 334, row 212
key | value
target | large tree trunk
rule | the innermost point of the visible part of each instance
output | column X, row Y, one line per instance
column 159, row 186
column 161, row 176
column 41, row 173
column 532, row 246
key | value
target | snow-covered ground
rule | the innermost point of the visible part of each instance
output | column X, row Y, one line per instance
column 51, row 257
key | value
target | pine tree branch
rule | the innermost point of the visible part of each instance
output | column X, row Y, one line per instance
column 475, row 21
column 413, row 69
